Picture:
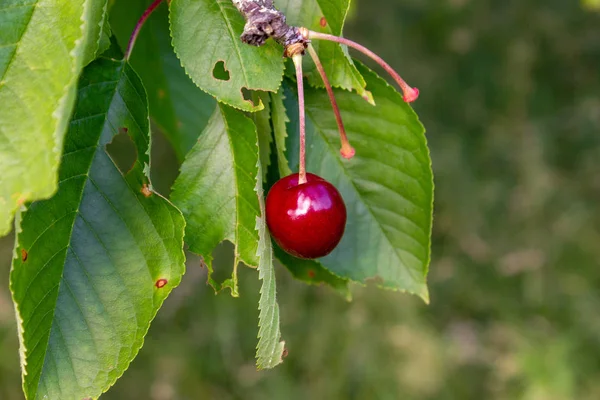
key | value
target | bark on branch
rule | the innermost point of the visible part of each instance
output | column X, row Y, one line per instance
column 263, row 21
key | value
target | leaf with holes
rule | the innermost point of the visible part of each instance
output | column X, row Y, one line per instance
column 206, row 36
column 94, row 263
column 177, row 106
column 387, row 186
column 99, row 32
column 326, row 16
column 215, row 190
column 43, row 47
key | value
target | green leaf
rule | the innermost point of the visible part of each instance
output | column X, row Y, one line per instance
column 215, row 190
column 177, row 106
column 106, row 34
column 262, row 120
column 43, row 46
column 279, row 119
column 338, row 65
column 334, row 12
column 90, row 262
column 269, row 351
column 387, row 186
column 206, row 36
column 313, row 272
column 99, row 31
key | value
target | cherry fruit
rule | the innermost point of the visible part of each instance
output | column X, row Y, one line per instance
column 306, row 220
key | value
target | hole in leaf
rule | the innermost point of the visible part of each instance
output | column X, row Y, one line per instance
column 224, row 255
column 247, row 94
column 221, row 279
column 219, row 72
column 122, row 151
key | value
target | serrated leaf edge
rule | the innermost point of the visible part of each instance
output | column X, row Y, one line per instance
column 275, row 345
column 259, row 107
column 425, row 293
column 18, row 230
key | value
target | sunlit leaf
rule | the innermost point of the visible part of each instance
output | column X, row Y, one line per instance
column 215, row 190
column 387, row 186
column 179, row 108
column 206, row 36
column 280, row 119
column 94, row 263
column 262, row 120
column 99, row 31
column 43, row 46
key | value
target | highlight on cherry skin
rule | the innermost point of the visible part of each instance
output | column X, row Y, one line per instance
column 306, row 220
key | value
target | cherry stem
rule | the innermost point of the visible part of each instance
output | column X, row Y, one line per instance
column 410, row 94
column 347, row 150
column 138, row 27
column 297, row 58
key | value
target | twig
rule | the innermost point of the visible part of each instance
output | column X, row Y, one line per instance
column 347, row 150
column 410, row 94
column 138, row 27
column 297, row 58
column 263, row 21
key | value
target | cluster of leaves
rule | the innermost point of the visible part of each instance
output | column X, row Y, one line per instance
column 98, row 249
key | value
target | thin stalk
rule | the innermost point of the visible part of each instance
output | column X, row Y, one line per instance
column 347, row 151
column 410, row 94
column 138, row 27
column 297, row 58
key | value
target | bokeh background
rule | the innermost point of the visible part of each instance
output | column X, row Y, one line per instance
column 511, row 102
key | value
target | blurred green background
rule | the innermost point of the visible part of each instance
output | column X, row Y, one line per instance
column 510, row 97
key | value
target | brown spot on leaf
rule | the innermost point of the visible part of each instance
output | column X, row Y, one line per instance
column 161, row 93
column 323, row 22
column 311, row 273
column 24, row 255
column 146, row 191
column 285, row 353
column 161, row 283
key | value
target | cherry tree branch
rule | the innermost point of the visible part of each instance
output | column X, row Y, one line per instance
column 263, row 21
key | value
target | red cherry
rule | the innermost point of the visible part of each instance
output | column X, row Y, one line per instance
column 306, row 220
